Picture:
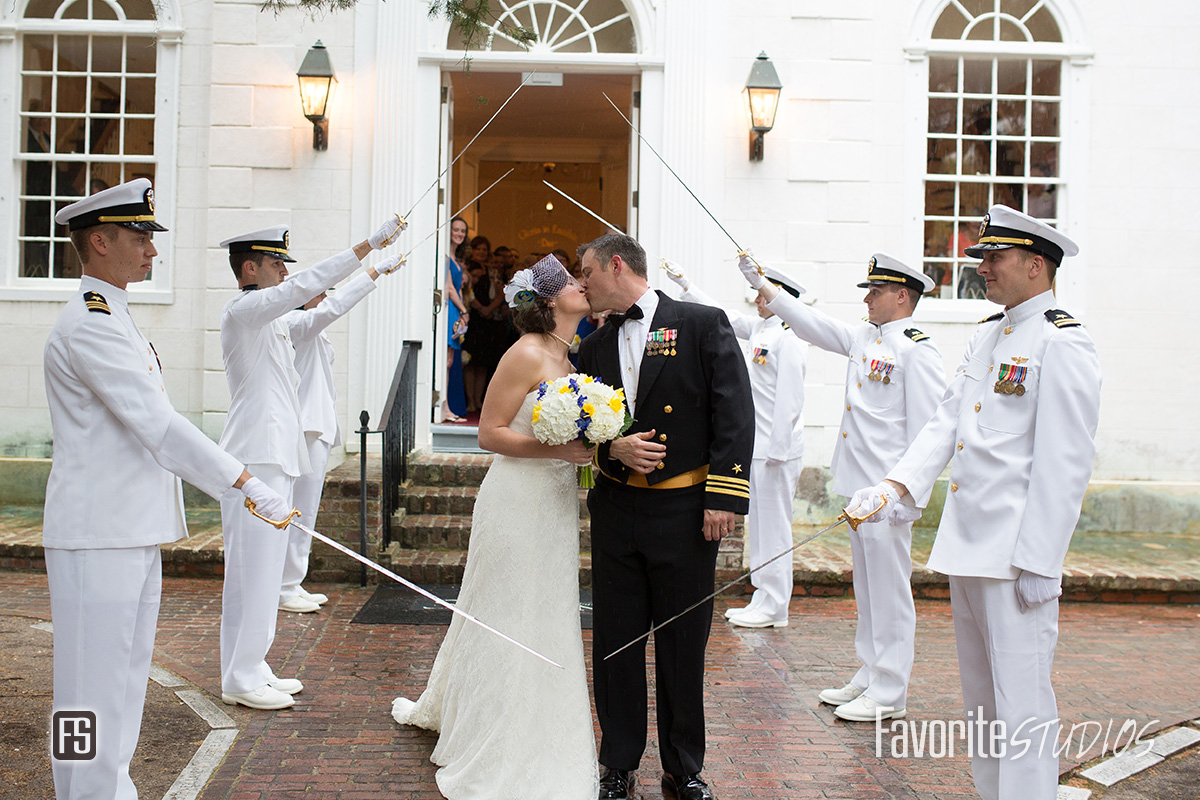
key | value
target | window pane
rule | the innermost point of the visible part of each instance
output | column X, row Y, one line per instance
column 1043, row 159
column 70, row 181
column 72, row 95
column 141, row 54
column 968, row 234
column 138, row 9
column 977, row 76
column 973, row 201
column 1043, row 201
column 977, row 117
column 77, row 10
column 66, row 261
column 1017, row 8
column 139, row 96
column 939, row 199
column 977, row 157
column 950, row 24
column 942, row 157
column 139, row 137
column 37, row 136
column 41, row 9
column 39, row 52
column 1010, row 194
column 1043, row 27
column 970, row 285
column 1010, row 76
column 102, row 10
column 943, row 74
column 106, row 54
column 937, row 239
column 1010, row 117
column 104, row 176
column 35, row 93
column 1045, row 119
column 69, row 136
column 72, row 53
column 1046, row 77
column 978, row 7
column 1010, row 158
column 1010, row 32
column 943, row 115
column 106, row 136
column 139, row 171
column 983, row 32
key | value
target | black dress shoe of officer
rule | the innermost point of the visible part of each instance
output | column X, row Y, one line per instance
column 689, row 787
column 616, row 784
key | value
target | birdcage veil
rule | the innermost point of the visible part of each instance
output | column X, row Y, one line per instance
column 546, row 279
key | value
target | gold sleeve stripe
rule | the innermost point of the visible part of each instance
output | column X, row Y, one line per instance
column 729, row 481
column 734, row 492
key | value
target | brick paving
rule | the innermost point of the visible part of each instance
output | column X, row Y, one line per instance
column 768, row 735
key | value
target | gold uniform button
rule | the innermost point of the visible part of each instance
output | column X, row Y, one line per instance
column 662, row 437
column 860, row 384
column 978, row 406
column 660, row 465
column 954, row 487
column 843, row 434
column 1008, row 330
column 879, row 341
column 667, row 409
column 991, row 367
column 847, row 406
column 864, row 359
column 960, row 445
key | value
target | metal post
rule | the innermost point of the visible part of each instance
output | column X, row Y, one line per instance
column 363, row 419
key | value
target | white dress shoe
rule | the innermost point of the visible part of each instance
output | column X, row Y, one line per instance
column 835, row 697
column 754, row 618
column 864, row 709
column 312, row 597
column 286, row 685
column 299, row 605
column 730, row 613
column 262, row 697
column 402, row 710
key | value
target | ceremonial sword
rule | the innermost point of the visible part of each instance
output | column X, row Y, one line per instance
column 476, row 136
column 845, row 516
column 740, row 251
column 290, row 520
column 601, row 219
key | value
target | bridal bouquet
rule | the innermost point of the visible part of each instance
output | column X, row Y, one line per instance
column 578, row 406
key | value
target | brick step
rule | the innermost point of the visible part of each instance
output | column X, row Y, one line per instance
column 454, row 500
column 452, row 532
column 449, row 469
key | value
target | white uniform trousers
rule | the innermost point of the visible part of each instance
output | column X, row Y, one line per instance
column 306, row 496
column 887, row 619
column 1004, row 660
column 105, row 609
column 769, row 526
column 254, row 554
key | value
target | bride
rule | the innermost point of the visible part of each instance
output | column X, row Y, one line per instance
column 512, row 726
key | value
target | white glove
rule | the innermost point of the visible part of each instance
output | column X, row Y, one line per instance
column 675, row 273
column 902, row 514
column 1034, row 589
column 267, row 501
column 390, row 264
column 387, row 232
column 750, row 269
column 870, row 502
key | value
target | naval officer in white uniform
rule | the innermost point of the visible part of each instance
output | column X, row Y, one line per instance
column 264, row 429
column 318, row 415
column 776, row 361
column 1020, row 423
column 894, row 381
column 113, row 495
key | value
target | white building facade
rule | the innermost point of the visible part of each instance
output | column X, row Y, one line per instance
column 899, row 124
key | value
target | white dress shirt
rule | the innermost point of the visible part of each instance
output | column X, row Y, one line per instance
column 631, row 345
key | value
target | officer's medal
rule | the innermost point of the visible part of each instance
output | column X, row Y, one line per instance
column 760, row 355
column 1011, row 379
column 881, row 370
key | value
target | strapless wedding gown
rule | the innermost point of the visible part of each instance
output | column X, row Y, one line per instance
column 511, row 726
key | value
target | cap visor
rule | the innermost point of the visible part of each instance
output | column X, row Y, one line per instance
column 287, row 258
column 977, row 251
column 143, row 226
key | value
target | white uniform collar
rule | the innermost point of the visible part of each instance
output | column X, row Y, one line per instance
column 1032, row 307
column 111, row 293
column 894, row 325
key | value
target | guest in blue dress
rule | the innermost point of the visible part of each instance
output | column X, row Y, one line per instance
column 454, row 406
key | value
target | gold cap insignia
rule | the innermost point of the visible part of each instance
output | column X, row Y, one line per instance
column 150, row 199
column 871, row 263
column 983, row 224
column 285, row 240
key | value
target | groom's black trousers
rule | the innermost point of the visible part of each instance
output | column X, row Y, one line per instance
column 649, row 562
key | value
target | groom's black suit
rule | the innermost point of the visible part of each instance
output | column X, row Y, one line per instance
column 649, row 556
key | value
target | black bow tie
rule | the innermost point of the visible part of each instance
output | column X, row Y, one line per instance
column 634, row 312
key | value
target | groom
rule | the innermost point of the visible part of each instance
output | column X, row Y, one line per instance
column 667, row 492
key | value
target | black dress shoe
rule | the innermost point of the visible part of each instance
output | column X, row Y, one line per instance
column 689, row 787
column 616, row 784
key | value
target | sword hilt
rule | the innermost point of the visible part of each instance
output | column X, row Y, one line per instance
column 854, row 521
column 670, row 268
column 280, row 524
column 752, row 258
column 390, row 239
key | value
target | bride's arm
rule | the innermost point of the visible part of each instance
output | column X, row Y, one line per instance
column 519, row 371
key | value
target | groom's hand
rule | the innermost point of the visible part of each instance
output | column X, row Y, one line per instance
column 638, row 452
column 717, row 524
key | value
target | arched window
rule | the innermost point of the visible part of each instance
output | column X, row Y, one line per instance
column 561, row 26
column 89, row 97
column 994, row 130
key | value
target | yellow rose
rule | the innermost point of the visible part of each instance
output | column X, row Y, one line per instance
column 537, row 412
column 589, row 409
column 615, row 403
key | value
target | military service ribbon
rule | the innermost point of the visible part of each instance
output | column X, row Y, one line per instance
column 661, row 342
column 881, row 370
column 1010, row 380
column 760, row 355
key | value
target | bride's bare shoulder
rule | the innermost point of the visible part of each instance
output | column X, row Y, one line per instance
column 523, row 364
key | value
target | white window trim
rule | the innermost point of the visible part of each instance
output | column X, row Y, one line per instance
column 1075, row 119
column 169, row 32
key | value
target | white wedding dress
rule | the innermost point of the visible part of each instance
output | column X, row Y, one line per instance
column 512, row 726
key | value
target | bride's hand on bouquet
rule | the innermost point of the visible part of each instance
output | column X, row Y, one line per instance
column 575, row 452
column 638, row 451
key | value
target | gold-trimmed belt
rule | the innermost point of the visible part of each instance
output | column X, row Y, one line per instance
column 692, row 477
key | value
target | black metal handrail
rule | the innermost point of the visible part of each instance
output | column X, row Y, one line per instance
column 398, row 424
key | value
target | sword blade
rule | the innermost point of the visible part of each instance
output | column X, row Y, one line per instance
column 476, row 136
column 792, row 549
column 429, row 595
column 456, row 213
column 584, row 208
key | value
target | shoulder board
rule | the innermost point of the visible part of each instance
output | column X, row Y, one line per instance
column 915, row 335
column 96, row 302
column 993, row 317
column 1062, row 319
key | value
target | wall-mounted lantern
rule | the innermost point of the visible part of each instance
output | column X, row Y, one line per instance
column 316, row 86
column 762, row 99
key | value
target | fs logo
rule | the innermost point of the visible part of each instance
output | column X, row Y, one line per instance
column 73, row 735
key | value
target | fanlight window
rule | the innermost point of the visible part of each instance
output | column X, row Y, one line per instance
column 994, row 132
column 560, row 26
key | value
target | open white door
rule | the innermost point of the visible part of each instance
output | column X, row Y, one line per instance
column 635, row 116
column 440, row 334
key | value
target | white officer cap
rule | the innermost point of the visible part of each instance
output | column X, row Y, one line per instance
column 272, row 240
column 130, row 205
column 1005, row 227
column 783, row 280
column 885, row 270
